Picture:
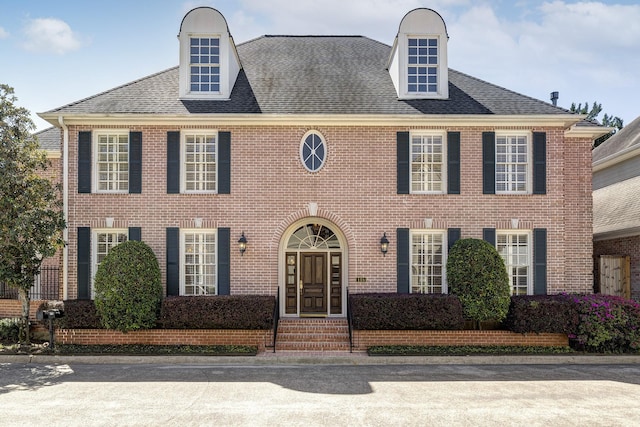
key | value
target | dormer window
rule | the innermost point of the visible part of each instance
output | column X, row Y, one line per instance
column 418, row 62
column 204, row 64
column 422, row 69
column 209, row 63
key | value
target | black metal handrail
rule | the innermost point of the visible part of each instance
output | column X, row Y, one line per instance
column 45, row 286
column 276, row 318
column 350, row 322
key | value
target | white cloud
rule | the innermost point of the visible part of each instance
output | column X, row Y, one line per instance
column 3, row 33
column 50, row 35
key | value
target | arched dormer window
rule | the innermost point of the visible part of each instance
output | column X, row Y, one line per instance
column 209, row 63
column 418, row 62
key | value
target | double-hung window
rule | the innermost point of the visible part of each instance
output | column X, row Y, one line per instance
column 103, row 241
column 200, row 172
column 428, row 262
column 422, row 65
column 204, row 64
column 112, row 162
column 199, row 262
column 428, row 163
column 515, row 249
column 513, row 164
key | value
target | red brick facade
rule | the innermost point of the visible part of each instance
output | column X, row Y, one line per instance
column 355, row 191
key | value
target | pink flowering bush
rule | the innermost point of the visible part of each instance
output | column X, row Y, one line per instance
column 606, row 323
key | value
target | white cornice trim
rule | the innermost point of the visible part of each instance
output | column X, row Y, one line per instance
column 616, row 234
column 544, row 120
column 54, row 154
column 591, row 132
column 616, row 158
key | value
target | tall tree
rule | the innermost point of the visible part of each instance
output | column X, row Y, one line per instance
column 31, row 218
column 592, row 115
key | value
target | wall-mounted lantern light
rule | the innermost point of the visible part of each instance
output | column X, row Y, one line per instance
column 242, row 244
column 384, row 244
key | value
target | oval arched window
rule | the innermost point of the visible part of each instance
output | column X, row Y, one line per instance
column 313, row 151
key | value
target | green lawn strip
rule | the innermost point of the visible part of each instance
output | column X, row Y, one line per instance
column 158, row 350
column 464, row 350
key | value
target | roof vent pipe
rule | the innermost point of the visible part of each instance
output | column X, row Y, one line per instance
column 554, row 98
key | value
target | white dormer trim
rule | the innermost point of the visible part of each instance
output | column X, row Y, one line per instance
column 419, row 24
column 207, row 23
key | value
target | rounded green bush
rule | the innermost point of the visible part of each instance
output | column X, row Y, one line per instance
column 477, row 275
column 128, row 287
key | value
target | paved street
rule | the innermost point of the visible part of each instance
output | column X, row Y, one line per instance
column 68, row 394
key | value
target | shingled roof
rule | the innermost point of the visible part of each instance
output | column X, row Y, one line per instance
column 49, row 139
column 310, row 75
column 627, row 137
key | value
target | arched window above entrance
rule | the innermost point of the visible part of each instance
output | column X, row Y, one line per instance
column 313, row 236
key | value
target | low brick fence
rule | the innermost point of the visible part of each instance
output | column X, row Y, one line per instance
column 363, row 339
column 13, row 308
column 258, row 338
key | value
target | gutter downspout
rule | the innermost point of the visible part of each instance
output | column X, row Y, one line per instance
column 65, row 207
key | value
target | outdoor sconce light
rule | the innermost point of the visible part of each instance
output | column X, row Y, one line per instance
column 242, row 244
column 384, row 244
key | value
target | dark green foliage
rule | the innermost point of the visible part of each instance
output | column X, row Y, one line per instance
column 128, row 288
column 477, row 275
column 142, row 349
column 80, row 314
column 406, row 311
column 461, row 350
column 9, row 330
column 217, row 312
column 542, row 313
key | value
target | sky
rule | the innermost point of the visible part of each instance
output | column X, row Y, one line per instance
column 56, row 52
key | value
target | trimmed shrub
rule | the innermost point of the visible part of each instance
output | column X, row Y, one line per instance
column 217, row 312
column 406, row 311
column 477, row 275
column 128, row 288
column 9, row 330
column 607, row 323
column 80, row 314
column 542, row 313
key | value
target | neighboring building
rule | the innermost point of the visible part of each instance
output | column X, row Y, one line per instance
column 315, row 149
column 616, row 199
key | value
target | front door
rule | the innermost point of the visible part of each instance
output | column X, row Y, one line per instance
column 313, row 283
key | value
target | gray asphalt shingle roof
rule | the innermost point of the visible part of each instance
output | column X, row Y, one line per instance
column 49, row 139
column 616, row 207
column 626, row 137
column 310, row 75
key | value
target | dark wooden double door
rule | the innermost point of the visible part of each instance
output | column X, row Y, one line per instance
column 316, row 289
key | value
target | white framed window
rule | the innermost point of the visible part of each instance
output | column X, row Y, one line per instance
column 513, row 163
column 204, row 64
column 198, row 262
column 112, row 161
column 313, row 151
column 428, row 163
column 200, row 154
column 515, row 249
column 428, row 261
column 103, row 240
column 422, row 64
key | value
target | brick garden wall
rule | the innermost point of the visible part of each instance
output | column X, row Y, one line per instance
column 628, row 246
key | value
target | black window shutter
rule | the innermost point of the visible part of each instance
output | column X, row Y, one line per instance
column 135, row 162
column 539, row 163
column 453, row 235
column 224, row 162
column 135, row 234
column 173, row 162
column 224, row 264
column 173, row 261
column 403, row 249
column 489, row 235
column 488, row 162
column 84, row 262
column 84, row 162
column 402, row 153
column 540, row 261
column 453, row 162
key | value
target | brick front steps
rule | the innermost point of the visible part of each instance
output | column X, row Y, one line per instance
column 308, row 335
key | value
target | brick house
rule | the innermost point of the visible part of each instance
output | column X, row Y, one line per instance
column 286, row 163
column 616, row 200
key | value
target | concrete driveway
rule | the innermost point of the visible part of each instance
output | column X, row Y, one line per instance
column 312, row 394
